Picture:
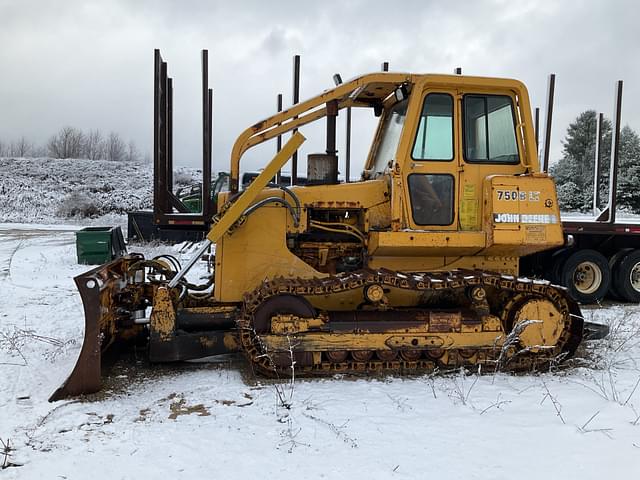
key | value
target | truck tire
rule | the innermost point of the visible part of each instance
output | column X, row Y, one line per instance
column 626, row 277
column 586, row 275
column 558, row 260
column 614, row 265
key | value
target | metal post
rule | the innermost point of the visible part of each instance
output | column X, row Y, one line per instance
column 279, row 141
column 296, row 99
column 347, row 169
column 615, row 148
column 165, row 205
column 206, row 136
column 537, row 130
column 169, row 166
column 157, row 153
column 208, row 213
column 332, row 115
column 551, row 86
column 597, row 169
column 162, row 205
column 337, row 79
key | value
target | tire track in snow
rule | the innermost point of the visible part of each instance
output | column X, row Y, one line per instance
column 12, row 240
column 7, row 251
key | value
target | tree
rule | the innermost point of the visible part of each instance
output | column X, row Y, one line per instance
column 569, row 196
column 67, row 143
column 115, row 148
column 575, row 171
column 628, row 194
column 39, row 151
column 21, row 148
column 132, row 152
column 94, row 145
column 629, row 152
column 578, row 159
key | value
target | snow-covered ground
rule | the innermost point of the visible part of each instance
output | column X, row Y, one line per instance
column 46, row 190
column 213, row 420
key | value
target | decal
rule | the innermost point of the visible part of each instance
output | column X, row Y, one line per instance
column 468, row 214
column 469, row 191
column 535, row 234
column 469, row 208
column 514, row 195
column 541, row 218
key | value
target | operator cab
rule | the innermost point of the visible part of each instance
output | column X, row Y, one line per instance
column 441, row 141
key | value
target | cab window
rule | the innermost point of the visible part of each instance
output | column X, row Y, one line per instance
column 489, row 129
column 391, row 130
column 431, row 198
column 434, row 138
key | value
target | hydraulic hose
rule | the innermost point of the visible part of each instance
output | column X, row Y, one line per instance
column 265, row 201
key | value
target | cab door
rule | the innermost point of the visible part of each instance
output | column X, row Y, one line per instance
column 428, row 162
column 431, row 163
column 489, row 146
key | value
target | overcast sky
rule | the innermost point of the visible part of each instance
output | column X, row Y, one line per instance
column 89, row 64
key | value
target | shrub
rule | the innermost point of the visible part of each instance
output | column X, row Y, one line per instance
column 183, row 178
column 78, row 205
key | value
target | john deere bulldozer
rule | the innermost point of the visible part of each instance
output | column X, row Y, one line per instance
column 411, row 267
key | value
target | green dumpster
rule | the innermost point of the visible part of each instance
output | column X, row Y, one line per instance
column 98, row 245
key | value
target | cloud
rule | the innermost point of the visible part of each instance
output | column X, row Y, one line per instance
column 90, row 63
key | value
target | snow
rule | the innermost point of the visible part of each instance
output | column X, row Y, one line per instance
column 621, row 217
column 38, row 189
column 215, row 420
column 44, row 190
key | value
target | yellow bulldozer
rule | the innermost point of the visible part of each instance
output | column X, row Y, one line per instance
column 413, row 266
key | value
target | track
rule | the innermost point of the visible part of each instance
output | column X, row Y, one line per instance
column 382, row 347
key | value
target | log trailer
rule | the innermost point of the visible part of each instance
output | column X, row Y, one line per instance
column 601, row 255
column 172, row 219
column 414, row 266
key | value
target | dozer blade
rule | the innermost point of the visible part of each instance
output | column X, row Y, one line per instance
column 98, row 288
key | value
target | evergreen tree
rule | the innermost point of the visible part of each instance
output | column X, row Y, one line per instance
column 574, row 172
column 628, row 192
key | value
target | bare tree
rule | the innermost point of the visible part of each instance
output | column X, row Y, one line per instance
column 115, row 148
column 39, row 151
column 3, row 149
column 21, row 148
column 67, row 143
column 132, row 152
column 94, row 145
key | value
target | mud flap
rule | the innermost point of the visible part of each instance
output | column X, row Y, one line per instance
column 97, row 288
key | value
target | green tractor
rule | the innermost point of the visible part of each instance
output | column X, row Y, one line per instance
column 191, row 196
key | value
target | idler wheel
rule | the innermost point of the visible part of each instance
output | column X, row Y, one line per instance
column 537, row 320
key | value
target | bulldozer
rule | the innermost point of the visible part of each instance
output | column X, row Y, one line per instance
column 412, row 267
